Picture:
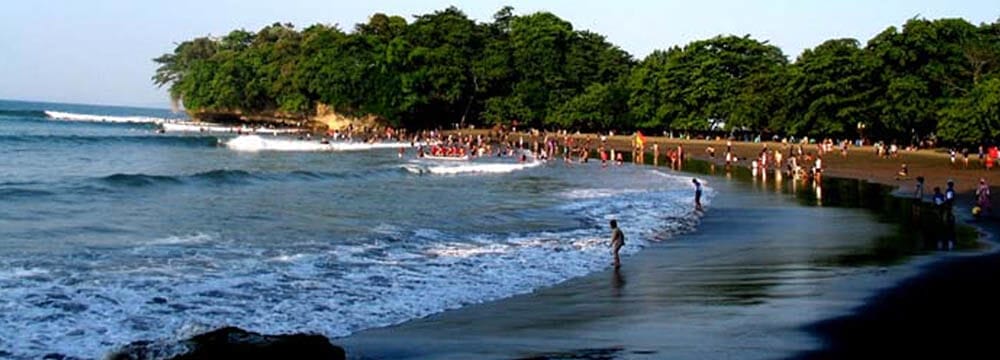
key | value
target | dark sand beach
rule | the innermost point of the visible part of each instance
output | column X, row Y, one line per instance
column 946, row 311
column 760, row 278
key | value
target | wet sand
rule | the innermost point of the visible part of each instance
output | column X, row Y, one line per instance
column 946, row 311
column 763, row 266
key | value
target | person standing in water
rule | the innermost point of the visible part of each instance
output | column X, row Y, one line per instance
column 983, row 196
column 697, row 194
column 949, row 195
column 617, row 241
column 918, row 193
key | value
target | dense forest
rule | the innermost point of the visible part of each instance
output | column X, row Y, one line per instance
column 931, row 79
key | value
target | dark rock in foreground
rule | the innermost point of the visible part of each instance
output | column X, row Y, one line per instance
column 234, row 343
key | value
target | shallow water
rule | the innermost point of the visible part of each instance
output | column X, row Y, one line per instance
column 112, row 233
column 762, row 265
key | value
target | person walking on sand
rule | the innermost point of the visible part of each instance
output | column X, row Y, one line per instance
column 697, row 194
column 617, row 241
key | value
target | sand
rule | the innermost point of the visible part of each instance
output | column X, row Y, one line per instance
column 860, row 163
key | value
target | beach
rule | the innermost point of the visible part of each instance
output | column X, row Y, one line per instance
column 390, row 257
column 752, row 282
column 860, row 163
column 412, row 181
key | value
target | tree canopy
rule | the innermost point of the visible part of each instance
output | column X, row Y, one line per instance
column 929, row 78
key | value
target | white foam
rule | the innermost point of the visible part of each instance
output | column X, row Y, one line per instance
column 473, row 167
column 287, row 258
column 18, row 273
column 579, row 194
column 58, row 115
column 99, row 303
column 464, row 250
column 182, row 240
column 187, row 126
column 445, row 158
column 254, row 143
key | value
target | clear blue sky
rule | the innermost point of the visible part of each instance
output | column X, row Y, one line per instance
column 100, row 51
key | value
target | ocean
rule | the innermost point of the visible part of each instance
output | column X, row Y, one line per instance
column 111, row 232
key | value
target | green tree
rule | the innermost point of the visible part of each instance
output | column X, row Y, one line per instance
column 173, row 67
column 648, row 89
column 830, row 90
column 539, row 44
column 601, row 107
column 494, row 73
column 973, row 118
column 932, row 76
column 439, row 84
column 378, row 52
column 727, row 80
column 921, row 67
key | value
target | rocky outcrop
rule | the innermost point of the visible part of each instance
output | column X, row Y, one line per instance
column 225, row 117
column 234, row 343
column 329, row 118
column 323, row 118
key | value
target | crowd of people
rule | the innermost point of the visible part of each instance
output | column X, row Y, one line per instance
column 787, row 159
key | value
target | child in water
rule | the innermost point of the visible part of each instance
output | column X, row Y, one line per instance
column 617, row 241
column 697, row 194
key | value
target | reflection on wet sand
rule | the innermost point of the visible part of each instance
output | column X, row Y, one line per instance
column 617, row 282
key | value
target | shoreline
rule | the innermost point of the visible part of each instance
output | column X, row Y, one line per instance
column 830, row 340
column 930, row 312
column 915, row 268
column 396, row 342
column 861, row 163
column 933, row 312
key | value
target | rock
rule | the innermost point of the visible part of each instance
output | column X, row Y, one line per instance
column 235, row 343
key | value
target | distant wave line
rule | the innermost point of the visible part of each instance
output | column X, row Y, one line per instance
column 23, row 113
column 123, row 181
column 104, row 139
column 68, row 116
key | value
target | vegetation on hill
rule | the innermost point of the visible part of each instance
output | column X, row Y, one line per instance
column 929, row 79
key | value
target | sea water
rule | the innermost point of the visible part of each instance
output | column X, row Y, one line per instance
column 111, row 232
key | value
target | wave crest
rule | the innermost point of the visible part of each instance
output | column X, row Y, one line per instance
column 88, row 139
column 59, row 115
column 188, row 127
column 137, row 180
column 255, row 143
column 422, row 167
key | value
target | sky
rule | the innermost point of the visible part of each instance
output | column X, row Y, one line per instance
column 101, row 51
